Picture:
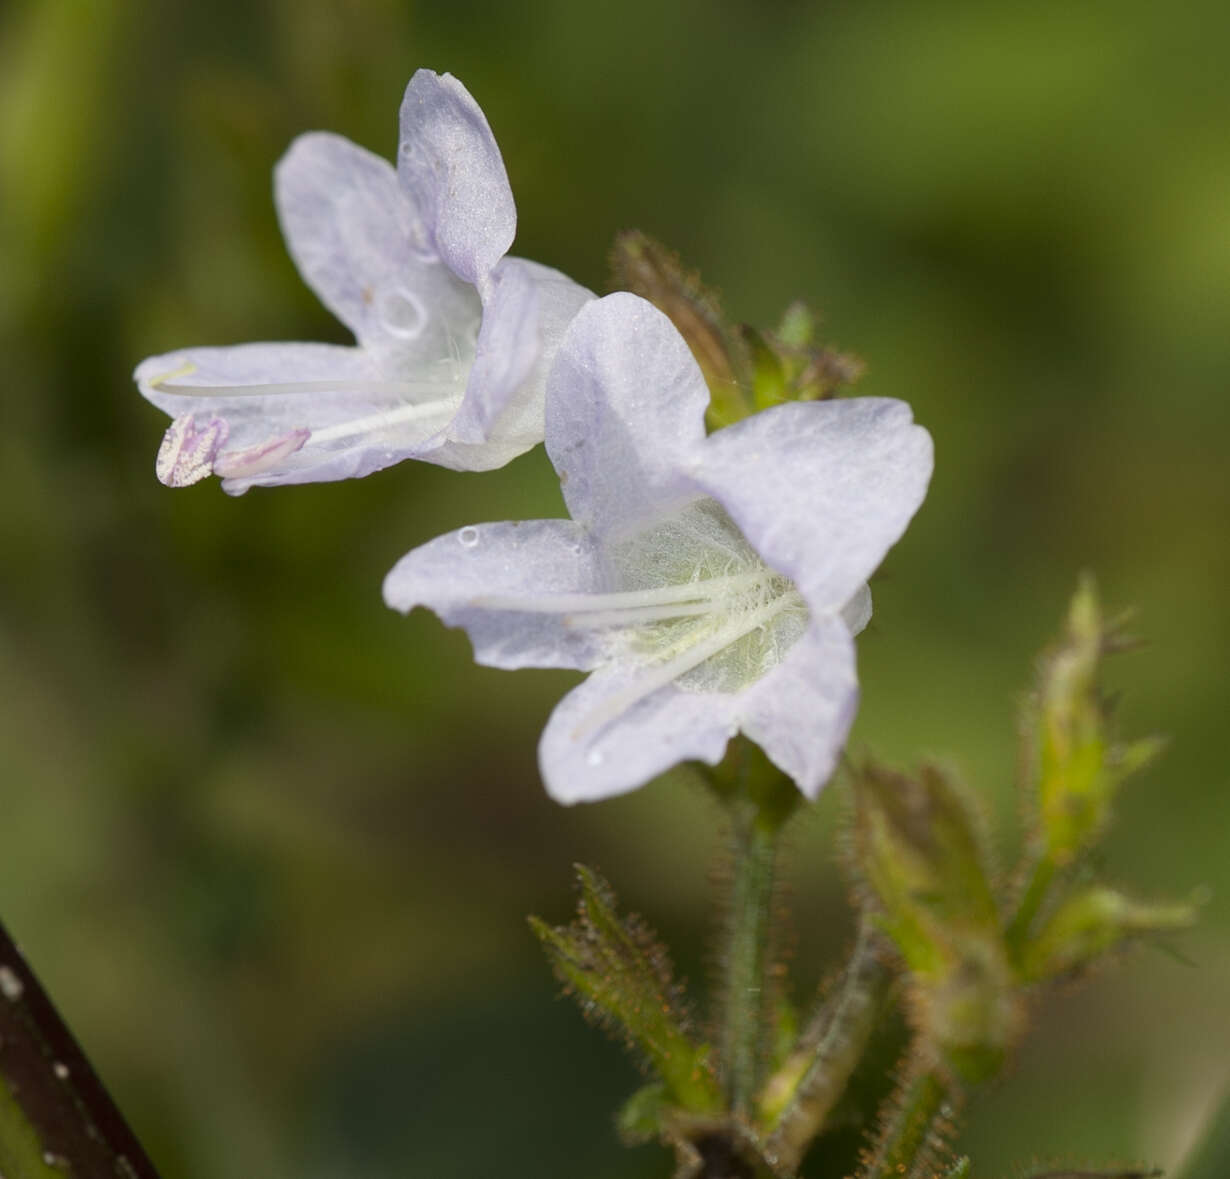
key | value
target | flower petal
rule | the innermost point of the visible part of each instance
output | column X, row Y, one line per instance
column 821, row 489
column 857, row 611
column 268, row 394
column 800, row 712
column 361, row 247
column 625, row 413
column 508, row 346
column 524, row 320
column 477, row 577
column 596, row 745
column 449, row 164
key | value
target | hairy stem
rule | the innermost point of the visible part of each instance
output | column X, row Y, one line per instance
column 747, row 950
column 800, row 1097
column 911, row 1133
column 1041, row 876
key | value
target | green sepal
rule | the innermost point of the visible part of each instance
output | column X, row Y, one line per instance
column 1091, row 923
column 798, row 326
column 622, row 979
column 770, row 379
column 746, row 777
column 788, row 366
column 812, row 372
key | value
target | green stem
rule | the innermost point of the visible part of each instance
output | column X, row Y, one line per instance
column 909, row 1141
column 1040, row 879
column 802, row 1094
column 746, row 967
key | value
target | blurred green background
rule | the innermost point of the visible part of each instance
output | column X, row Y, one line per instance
column 271, row 845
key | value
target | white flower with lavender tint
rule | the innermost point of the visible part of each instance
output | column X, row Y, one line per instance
column 709, row 584
column 454, row 339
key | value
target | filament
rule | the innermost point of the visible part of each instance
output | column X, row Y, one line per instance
column 380, row 388
column 705, row 590
column 693, row 657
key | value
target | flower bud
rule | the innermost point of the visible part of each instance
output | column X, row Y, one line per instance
column 920, row 848
column 974, row 1014
column 1078, row 765
column 791, row 365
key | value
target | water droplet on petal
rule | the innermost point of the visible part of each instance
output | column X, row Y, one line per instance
column 401, row 313
column 468, row 537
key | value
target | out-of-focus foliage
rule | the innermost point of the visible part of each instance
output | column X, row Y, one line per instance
column 271, row 845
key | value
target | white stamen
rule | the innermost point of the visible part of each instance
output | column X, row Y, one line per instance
column 636, row 615
column 379, row 388
column 693, row 657
column 706, row 589
column 445, row 407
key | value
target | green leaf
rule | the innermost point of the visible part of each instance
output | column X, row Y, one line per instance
column 1090, row 924
column 622, row 979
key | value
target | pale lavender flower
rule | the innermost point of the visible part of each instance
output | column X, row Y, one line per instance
column 709, row 584
column 454, row 340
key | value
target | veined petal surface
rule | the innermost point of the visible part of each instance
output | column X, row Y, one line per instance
column 821, row 489
column 498, row 581
column 726, row 574
column 226, row 382
column 609, row 735
column 625, row 414
column 450, row 166
column 453, row 343
column 801, row 711
column 359, row 421
column 361, row 246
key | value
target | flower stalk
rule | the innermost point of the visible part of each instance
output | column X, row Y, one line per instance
column 915, row 1131
column 798, row 1099
column 754, row 846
